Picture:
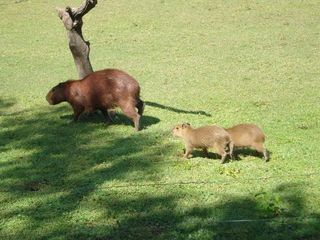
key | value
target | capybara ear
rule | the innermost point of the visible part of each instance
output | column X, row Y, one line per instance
column 184, row 125
column 61, row 84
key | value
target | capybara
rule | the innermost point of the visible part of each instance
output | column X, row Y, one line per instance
column 248, row 135
column 204, row 137
column 101, row 90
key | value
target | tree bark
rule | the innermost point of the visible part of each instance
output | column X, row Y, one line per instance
column 80, row 49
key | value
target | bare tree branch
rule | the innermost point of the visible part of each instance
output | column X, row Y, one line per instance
column 84, row 9
column 80, row 49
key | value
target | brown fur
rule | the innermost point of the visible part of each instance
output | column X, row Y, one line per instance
column 248, row 135
column 101, row 90
column 203, row 137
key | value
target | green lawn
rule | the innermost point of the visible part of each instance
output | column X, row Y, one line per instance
column 197, row 61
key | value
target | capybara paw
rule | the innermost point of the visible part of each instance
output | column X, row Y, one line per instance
column 187, row 156
column 223, row 161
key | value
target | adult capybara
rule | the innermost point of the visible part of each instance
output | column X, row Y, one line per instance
column 248, row 135
column 101, row 90
column 203, row 137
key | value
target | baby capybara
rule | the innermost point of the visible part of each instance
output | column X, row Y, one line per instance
column 203, row 137
column 101, row 90
column 248, row 135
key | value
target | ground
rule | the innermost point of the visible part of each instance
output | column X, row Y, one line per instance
column 202, row 62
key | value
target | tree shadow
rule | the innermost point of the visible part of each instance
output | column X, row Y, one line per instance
column 176, row 110
column 276, row 214
column 56, row 175
column 6, row 103
column 68, row 161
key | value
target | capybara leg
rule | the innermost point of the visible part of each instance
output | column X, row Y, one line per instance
column 221, row 150
column 260, row 148
column 222, row 153
column 77, row 110
column 265, row 155
column 136, row 122
column 205, row 151
column 130, row 112
column 187, row 152
column 231, row 146
column 140, row 105
column 112, row 114
column 107, row 115
column 223, row 157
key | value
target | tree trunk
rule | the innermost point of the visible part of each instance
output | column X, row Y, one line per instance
column 80, row 49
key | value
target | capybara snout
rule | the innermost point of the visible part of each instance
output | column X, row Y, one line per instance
column 178, row 129
column 101, row 90
column 56, row 95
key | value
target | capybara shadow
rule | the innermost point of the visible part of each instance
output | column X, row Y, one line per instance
column 91, row 117
column 119, row 119
column 146, row 121
column 240, row 153
column 201, row 154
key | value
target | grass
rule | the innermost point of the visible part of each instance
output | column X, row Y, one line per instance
column 202, row 62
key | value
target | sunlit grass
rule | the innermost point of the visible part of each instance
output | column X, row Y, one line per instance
column 202, row 62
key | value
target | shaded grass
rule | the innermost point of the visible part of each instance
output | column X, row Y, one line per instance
column 202, row 62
